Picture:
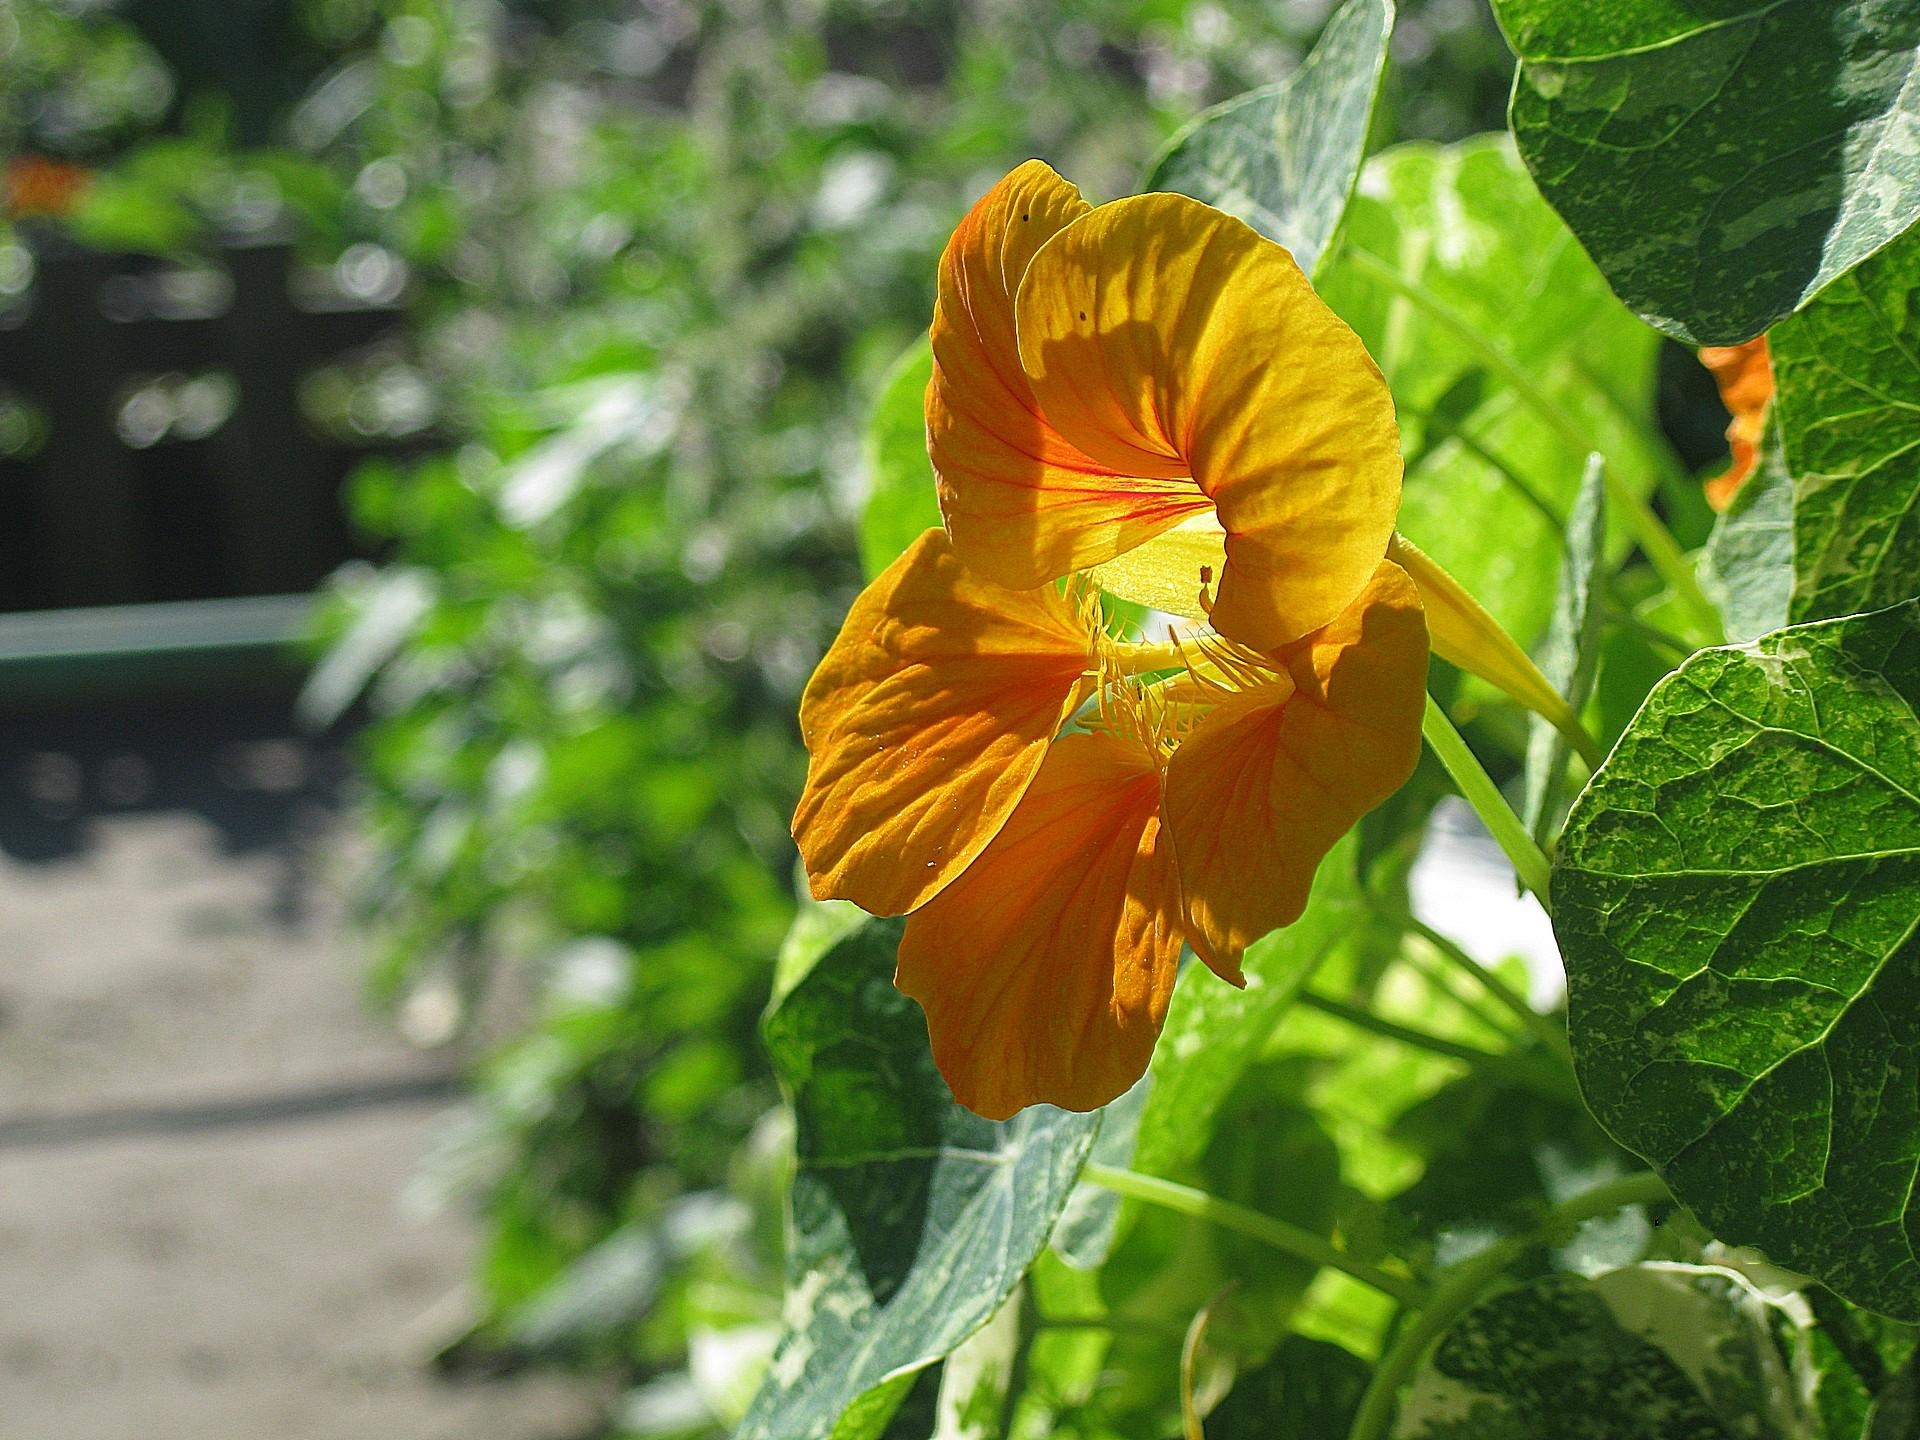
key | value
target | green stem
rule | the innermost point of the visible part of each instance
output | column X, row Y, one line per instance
column 1663, row 552
column 1546, row 507
column 1107, row 1324
column 1554, row 1083
column 1463, row 1286
column 1291, row 1239
column 1364, row 1019
column 1479, row 791
column 1472, row 999
column 1623, row 616
column 1543, row 1028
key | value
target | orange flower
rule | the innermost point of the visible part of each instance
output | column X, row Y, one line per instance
column 1744, row 374
column 1145, row 397
column 1103, row 375
column 37, row 186
column 1052, row 873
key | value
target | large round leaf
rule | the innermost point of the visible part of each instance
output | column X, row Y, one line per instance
column 1736, row 895
column 1721, row 161
column 912, row 1219
column 1647, row 1352
column 1849, row 405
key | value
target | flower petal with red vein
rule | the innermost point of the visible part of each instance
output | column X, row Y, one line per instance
column 926, row 721
column 1024, row 506
column 1163, row 337
column 1263, row 787
column 1045, row 968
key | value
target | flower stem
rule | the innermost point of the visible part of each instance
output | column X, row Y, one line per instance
column 1462, row 1288
column 1543, row 1028
column 1479, row 791
column 1291, row 1239
column 1554, row 1083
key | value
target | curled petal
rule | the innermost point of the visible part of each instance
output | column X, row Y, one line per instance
column 1023, row 504
column 926, row 721
column 1163, row 338
column 1744, row 374
column 1045, row 968
column 1268, row 782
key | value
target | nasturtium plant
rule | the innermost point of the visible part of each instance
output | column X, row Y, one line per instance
column 1720, row 162
column 1174, row 1077
column 1146, row 634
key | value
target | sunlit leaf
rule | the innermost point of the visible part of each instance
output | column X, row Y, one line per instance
column 912, row 1219
column 1570, row 655
column 1736, row 896
column 1214, row 1032
column 1283, row 158
column 1721, row 162
column 900, row 500
column 1847, row 376
column 1462, row 281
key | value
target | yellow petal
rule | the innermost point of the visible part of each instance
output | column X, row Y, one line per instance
column 1170, row 571
column 1023, row 505
column 1464, row 634
column 1045, row 968
column 925, row 722
column 1268, row 782
column 1163, row 337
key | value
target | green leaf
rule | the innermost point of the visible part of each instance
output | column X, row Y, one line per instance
column 1570, row 656
column 1847, row 372
column 1736, row 898
column 1214, row 1032
column 1748, row 565
column 1271, row 1154
column 1460, row 279
column 912, row 1218
column 901, row 501
column 1309, row 1388
column 1648, row 1352
column 1284, row 157
column 1497, row 1155
column 1085, row 1233
column 1720, row 162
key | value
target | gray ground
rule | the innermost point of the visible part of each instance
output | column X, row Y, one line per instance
column 204, row 1138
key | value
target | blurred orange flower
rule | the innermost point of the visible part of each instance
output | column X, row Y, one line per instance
column 1052, row 872
column 1744, row 374
column 1102, row 375
column 36, row 186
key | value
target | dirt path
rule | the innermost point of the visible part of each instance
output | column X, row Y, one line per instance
column 204, row 1139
